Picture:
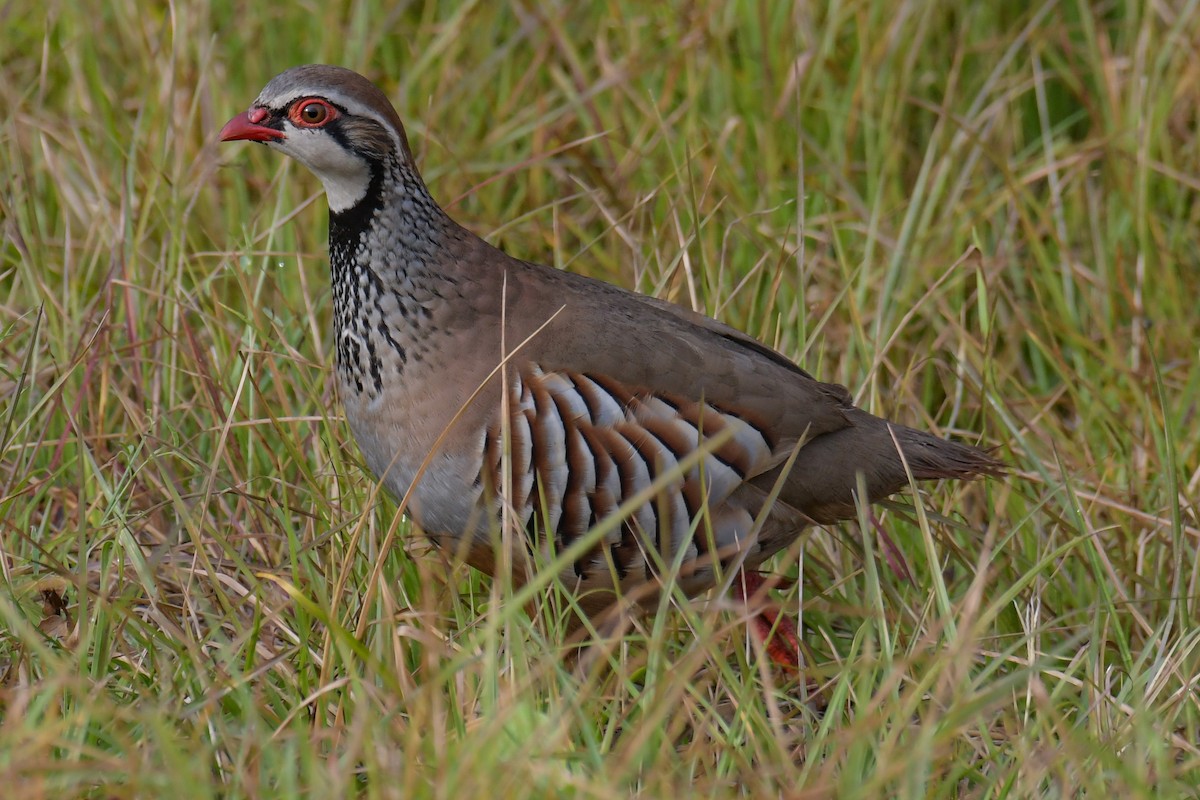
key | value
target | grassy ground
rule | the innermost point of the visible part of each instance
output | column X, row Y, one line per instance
column 980, row 217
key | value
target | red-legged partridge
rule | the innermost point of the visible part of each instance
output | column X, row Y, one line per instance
column 615, row 390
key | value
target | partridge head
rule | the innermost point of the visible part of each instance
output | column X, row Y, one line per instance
column 602, row 391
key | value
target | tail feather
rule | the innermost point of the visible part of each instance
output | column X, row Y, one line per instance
column 824, row 480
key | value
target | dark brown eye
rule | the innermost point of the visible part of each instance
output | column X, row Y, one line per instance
column 312, row 113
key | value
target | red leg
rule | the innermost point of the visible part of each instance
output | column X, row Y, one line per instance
column 777, row 633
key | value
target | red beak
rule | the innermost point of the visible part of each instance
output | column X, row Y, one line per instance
column 246, row 126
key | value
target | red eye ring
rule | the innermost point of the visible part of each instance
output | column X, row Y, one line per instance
column 312, row 112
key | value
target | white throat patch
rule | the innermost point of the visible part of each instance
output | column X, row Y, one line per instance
column 344, row 174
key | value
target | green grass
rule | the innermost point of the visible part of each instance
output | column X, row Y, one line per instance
column 982, row 218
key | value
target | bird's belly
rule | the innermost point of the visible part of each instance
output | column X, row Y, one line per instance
column 447, row 497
